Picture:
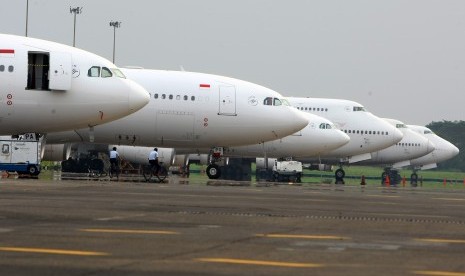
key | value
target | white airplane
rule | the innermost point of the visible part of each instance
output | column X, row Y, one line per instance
column 318, row 137
column 443, row 150
column 367, row 132
column 195, row 110
column 46, row 86
column 413, row 145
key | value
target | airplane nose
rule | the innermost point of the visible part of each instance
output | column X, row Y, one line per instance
column 298, row 119
column 138, row 96
column 345, row 139
column 397, row 135
column 454, row 150
column 430, row 146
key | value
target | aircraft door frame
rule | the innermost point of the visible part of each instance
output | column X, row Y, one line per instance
column 227, row 100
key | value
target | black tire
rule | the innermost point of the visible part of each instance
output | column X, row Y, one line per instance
column 162, row 174
column 213, row 171
column 147, row 173
column 32, row 170
column 340, row 173
column 414, row 179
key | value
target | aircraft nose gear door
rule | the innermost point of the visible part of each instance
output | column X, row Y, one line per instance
column 227, row 105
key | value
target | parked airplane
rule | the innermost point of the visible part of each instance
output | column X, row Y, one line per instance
column 46, row 86
column 195, row 110
column 413, row 145
column 318, row 137
column 367, row 132
column 443, row 150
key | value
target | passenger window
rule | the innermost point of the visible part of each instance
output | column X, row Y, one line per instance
column 155, row 96
column 2, row 68
column 106, row 73
column 178, row 97
column 186, row 98
column 10, row 68
column 163, row 96
column 94, row 72
column 193, row 98
column 170, row 97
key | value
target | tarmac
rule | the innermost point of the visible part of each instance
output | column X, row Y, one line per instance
column 183, row 227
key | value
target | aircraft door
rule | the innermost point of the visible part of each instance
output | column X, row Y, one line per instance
column 60, row 71
column 227, row 105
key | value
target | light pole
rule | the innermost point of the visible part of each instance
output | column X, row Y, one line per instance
column 76, row 10
column 27, row 14
column 114, row 24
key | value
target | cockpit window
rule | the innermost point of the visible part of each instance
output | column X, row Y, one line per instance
column 268, row 101
column 273, row 101
column 325, row 126
column 118, row 73
column 428, row 132
column 401, row 126
column 106, row 73
column 94, row 72
column 285, row 102
column 359, row 108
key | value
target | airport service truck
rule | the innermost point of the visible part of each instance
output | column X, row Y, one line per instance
column 289, row 170
column 20, row 155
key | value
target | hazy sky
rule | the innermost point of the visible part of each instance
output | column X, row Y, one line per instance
column 402, row 59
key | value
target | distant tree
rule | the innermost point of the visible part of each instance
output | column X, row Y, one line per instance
column 453, row 132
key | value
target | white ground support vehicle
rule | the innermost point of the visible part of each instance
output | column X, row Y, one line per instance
column 20, row 155
column 290, row 171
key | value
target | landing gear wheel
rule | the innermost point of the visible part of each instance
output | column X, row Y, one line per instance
column 414, row 179
column 340, row 173
column 213, row 171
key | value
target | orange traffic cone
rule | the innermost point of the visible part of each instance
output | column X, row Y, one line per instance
column 388, row 181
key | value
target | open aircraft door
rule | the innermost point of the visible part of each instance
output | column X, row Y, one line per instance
column 60, row 71
column 227, row 105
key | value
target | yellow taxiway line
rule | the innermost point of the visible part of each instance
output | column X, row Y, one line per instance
column 257, row 262
column 130, row 231
column 439, row 273
column 286, row 236
column 52, row 251
column 441, row 240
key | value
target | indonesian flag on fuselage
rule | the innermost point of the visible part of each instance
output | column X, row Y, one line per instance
column 7, row 53
column 204, row 85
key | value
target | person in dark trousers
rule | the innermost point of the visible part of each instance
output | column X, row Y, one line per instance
column 114, row 156
column 153, row 160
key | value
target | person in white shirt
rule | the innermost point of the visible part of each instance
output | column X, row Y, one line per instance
column 153, row 160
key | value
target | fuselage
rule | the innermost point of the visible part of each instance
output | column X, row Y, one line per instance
column 196, row 110
column 46, row 86
column 367, row 132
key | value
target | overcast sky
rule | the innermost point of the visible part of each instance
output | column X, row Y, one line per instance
column 402, row 59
